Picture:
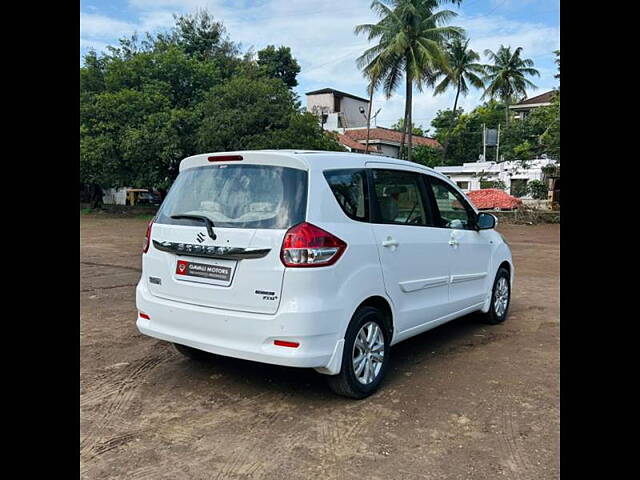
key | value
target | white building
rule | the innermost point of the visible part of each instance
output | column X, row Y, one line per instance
column 339, row 109
column 346, row 115
column 515, row 175
column 115, row 196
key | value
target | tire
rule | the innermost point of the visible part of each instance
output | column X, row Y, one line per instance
column 347, row 382
column 502, row 281
column 193, row 353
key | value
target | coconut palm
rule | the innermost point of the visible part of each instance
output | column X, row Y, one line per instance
column 410, row 36
column 462, row 70
column 505, row 77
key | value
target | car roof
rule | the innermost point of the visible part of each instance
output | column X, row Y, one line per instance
column 307, row 159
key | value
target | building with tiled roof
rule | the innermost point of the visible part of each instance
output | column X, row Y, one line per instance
column 523, row 108
column 354, row 146
column 346, row 114
column 387, row 140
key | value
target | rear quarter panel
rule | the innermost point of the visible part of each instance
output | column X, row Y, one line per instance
column 336, row 291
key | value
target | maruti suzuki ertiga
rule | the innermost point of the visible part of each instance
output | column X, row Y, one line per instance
column 316, row 259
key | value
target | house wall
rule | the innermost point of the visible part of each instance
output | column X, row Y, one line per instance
column 491, row 171
column 320, row 100
column 390, row 150
column 115, row 196
column 350, row 108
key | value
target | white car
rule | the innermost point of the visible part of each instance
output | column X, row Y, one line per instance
column 316, row 259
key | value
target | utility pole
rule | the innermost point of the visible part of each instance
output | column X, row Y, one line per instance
column 366, row 149
column 484, row 143
column 498, row 145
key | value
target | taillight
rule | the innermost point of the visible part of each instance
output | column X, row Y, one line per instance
column 147, row 237
column 306, row 245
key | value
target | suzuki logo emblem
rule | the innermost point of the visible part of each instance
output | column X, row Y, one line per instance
column 200, row 237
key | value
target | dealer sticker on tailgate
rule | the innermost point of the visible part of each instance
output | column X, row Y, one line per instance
column 203, row 270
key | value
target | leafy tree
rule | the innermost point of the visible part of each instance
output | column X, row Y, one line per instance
column 200, row 36
column 428, row 156
column 410, row 36
column 465, row 139
column 462, row 69
column 493, row 184
column 147, row 104
column 535, row 135
column 505, row 77
column 537, row 189
column 419, row 130
column 257, row 113
column 279, row 63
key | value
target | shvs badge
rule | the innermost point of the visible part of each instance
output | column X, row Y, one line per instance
column 213, row 272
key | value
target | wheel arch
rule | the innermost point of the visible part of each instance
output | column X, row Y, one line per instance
column 384, row 305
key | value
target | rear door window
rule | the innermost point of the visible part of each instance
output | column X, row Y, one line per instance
column 399, row 197
column 238, row 196
column 349, row 186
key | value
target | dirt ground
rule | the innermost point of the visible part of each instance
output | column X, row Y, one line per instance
column 462, row 401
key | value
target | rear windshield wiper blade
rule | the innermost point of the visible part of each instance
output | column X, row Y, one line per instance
column 207, row 221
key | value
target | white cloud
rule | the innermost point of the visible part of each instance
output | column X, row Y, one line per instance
column 321, row 37
column 100, row 26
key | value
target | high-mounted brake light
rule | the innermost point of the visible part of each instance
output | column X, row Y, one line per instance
column 306, row 245
column 147, row 237
column 225, row 158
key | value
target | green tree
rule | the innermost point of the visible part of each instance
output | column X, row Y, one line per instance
column 416, row 130
column 427, row 156
column 537, row 190
column 506, row 75
column 279, row 63
column 465, row 139
column 257, row 113
column 410, row 37
column 462, row 69
column 147, row 104
column 200, row 36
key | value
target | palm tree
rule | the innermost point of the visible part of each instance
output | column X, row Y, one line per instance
column 410, row 36
column 505, row 78
column 462, row 70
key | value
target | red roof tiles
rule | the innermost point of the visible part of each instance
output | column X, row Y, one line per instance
column 353, row 145
column 493, row 198
column 381, row 133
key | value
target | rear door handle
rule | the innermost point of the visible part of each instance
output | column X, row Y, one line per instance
column 390, row 242
column 453, row 242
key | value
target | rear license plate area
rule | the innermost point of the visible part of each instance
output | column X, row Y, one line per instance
column 214, row 272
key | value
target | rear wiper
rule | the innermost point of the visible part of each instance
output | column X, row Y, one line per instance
column 207, row 221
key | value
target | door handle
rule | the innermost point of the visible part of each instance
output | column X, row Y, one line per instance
column 390, row 242
column 453, row 241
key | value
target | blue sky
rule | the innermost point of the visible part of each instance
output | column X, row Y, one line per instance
column 321, row 37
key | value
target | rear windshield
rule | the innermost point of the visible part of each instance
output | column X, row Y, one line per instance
column 238, row 196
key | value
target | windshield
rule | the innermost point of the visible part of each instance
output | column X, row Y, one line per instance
column 238, row 196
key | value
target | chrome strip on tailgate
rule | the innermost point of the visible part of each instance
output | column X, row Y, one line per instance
column 230, row 253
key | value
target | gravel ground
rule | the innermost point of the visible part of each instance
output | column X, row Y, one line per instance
column 462, row 401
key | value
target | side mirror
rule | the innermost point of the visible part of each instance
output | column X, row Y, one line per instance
column 486, row 221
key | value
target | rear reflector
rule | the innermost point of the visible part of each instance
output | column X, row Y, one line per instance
column 144, row 315
column 225, row 158
column 283, row 343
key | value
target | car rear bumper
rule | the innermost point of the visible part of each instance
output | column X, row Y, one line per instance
column 248, row 336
